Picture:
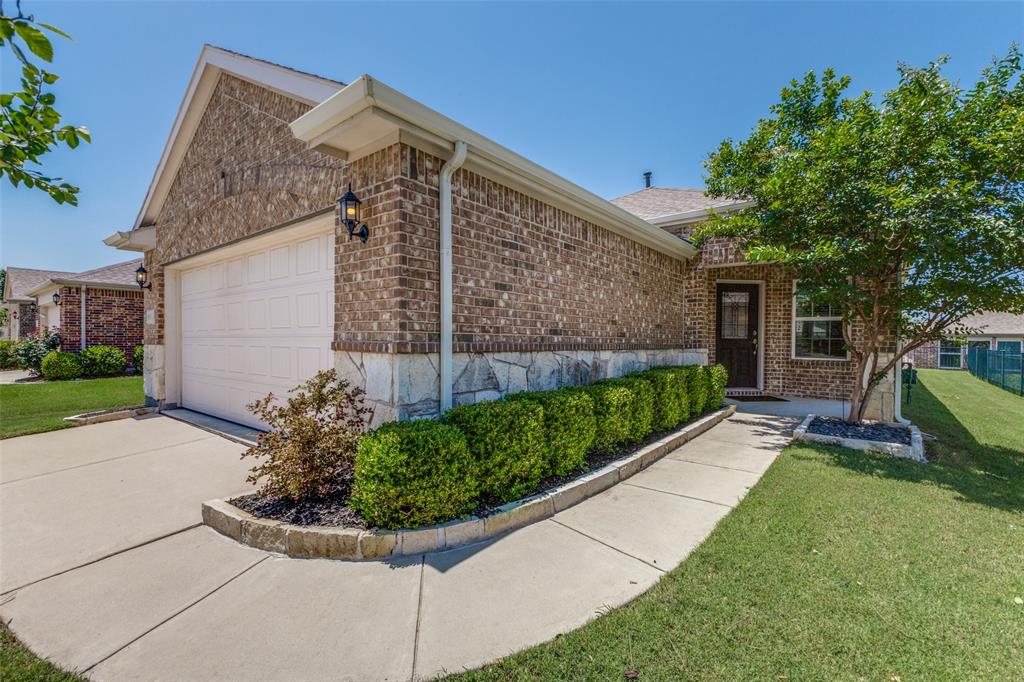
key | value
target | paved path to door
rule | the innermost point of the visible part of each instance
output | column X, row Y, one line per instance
column 105, row 569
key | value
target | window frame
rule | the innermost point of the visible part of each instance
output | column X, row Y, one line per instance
column 959, row 353
column 794, row 319
column 1019, row 342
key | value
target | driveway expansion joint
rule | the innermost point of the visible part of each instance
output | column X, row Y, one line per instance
column 612, row 547
column 689, row 497
column 178, row 612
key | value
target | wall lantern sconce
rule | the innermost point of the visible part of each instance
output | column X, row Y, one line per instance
column 142, row 278
column 56, row 298
column 348, row 204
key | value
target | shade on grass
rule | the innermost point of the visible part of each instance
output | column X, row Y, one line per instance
column 840, row 565
column 35, row 407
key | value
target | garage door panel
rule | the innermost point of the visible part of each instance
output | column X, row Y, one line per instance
column 255, row 323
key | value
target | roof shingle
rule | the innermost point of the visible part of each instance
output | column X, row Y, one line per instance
column 20, row 281
column 654, row 202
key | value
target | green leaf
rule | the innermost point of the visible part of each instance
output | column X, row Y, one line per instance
column 56, row 30
column 35, row 39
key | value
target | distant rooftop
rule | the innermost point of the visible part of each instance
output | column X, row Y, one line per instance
column 654, row 202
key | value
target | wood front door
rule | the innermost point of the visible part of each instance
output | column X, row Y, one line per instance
column 736, row 333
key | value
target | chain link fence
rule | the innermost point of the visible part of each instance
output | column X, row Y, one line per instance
column 1001, row 368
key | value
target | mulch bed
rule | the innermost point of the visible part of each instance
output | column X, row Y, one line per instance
column 333, row 509
column 883, row 433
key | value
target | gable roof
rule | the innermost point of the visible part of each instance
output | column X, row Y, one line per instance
column 116, row 276
column 213, row 61
column 20, row 281
column 662, row 205
column 995, row 323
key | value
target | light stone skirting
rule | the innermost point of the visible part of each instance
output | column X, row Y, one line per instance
column 351, row 544
column 153, row 384
column 914, row 451
column 406, row 385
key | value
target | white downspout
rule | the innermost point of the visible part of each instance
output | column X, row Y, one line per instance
column 81, row 320
column 446, row 359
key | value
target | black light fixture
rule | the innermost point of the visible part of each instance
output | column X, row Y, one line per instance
column 142, row 278
column 56, row 298
column 348, row 205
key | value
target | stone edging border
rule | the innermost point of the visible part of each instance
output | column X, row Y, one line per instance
column 350, row 544
column 109, row 415
column 914, row 451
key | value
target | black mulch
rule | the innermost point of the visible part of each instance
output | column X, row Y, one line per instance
column 883, row 433
column 333, row 510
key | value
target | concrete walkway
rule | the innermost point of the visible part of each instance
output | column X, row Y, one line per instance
column 13, row 376
column 105, row 570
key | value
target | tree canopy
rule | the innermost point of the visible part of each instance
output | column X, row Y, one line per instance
column 30, row 125
column 905, row 210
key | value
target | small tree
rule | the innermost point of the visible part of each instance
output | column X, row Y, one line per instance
column 314, row 434
column 905, row 212
column 29, row 123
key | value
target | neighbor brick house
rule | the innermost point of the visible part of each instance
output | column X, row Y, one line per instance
column 482, row 274
column 103, row 306
column 21, row 308
column 989, row 330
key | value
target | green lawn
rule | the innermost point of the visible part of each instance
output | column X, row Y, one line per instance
column 35, row 407
column 841, row 565
column 18, row 664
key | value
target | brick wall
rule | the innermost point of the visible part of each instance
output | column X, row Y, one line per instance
column 526, row 275
column 26, row 319
column 243, row 172
column 782, row 374
column 113, row 317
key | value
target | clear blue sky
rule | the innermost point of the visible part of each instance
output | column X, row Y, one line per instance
column 597, row 92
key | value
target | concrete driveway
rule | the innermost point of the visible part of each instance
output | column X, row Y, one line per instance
column 106, row 571
column 74, row 496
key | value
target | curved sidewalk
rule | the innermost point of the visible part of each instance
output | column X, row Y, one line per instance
column 194, row 605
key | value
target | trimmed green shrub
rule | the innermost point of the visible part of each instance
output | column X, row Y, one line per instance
column 612, row 405
column 31, row 350
column 717, row 378
column 8, row 360
column 569, row 427
column 641, row 413
column 137, row 359
column 58, row 366
column 671, row 406
column 414, row 473
column 100, row 361
column 697, row 389
column 506, row 439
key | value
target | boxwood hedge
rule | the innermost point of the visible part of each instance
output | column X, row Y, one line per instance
column 569, row 427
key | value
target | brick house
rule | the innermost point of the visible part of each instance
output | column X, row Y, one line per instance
column 482, row 274
column 103, row 306
column 992, row 331
column 21, row 308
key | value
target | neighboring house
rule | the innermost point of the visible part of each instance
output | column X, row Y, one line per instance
column 992, row 331
column 483, row 273
column 96, row 307
column 21, row 307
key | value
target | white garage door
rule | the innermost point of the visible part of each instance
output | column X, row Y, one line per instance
column 258, row 321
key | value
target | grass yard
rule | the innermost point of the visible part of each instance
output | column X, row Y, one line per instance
column 840, row 565
column 36, row 407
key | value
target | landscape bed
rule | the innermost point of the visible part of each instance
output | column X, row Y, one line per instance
column 893, row 439
column 483, row 469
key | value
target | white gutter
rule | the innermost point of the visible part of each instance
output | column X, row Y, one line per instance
column 446, row 356
column 699, row 214
column 367, row 108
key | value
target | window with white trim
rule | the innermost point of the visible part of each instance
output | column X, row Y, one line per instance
column 817, row 330
column 1003, row 346
column 950, row 354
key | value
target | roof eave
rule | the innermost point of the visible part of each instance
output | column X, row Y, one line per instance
column 368, row 110
column 698, row 214
column 141, row 239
